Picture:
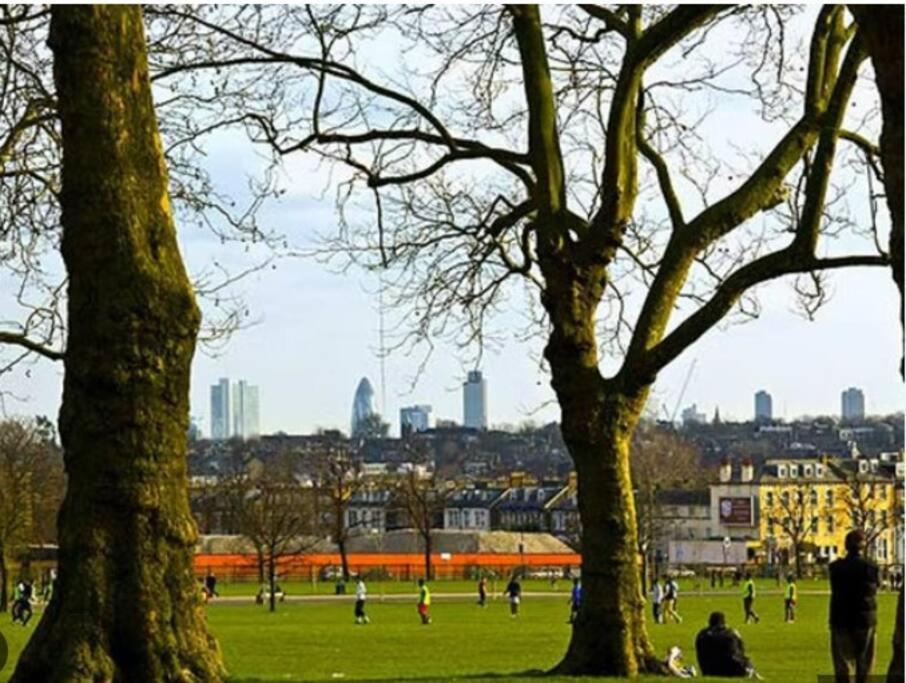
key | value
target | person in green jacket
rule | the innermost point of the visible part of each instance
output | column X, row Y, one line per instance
column 789, row 601
column 748, row 599
column 424, row 602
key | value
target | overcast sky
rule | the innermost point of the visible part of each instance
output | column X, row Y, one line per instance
column 317, row 334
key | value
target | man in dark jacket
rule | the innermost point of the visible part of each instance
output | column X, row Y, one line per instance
column 720, row 650
column 853, row 611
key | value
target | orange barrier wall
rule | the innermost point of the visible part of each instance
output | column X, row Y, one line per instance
column 241, row 566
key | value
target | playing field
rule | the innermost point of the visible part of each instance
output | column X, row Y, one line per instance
column 305, row 641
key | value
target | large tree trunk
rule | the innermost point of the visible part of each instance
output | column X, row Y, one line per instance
column 895, row 670
column 609, row 636
column 4, row 583
column 883, row 29
column 125, row 606
column 599, row 418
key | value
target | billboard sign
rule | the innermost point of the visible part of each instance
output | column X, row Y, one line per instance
column 736, row 511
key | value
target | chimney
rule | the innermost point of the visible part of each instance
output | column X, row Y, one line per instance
column 747, row 472
column 573, row 481
column 726, row 471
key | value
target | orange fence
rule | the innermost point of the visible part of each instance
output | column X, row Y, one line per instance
column 403, row 566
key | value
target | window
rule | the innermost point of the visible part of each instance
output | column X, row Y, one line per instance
column 830, row 524
column 814, row 525
column 785, row 497
column 794, row 470
column 883, row 494
column 813, row 497
column 769, row 499
column 781, row 471
column 819, row 470
column 829, row 497
column 807, row 469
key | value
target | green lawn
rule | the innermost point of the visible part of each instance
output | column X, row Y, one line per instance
column 318, row 641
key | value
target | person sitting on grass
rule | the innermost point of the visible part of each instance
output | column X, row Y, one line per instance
column 424, row 602
column 720, row 650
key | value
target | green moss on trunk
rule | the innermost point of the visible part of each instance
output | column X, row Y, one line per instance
column 126, row 606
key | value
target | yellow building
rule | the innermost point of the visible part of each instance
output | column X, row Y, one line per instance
column 811, row 504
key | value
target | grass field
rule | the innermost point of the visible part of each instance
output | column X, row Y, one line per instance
column 309, row 641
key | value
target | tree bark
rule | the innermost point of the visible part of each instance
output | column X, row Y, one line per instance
column 4, row 583
column 126, row 606
column 883, row 29
column 598, row 420
column 895, row 670
column 344, row 559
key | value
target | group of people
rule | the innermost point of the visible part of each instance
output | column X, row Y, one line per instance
column 853, row 620
column 664, row 597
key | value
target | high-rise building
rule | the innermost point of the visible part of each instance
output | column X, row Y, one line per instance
column 414, row 419
column 764, row 406
column 475, row 401
column 852, row 404
column 221, row 418
column 245, row 410
column 362, row 408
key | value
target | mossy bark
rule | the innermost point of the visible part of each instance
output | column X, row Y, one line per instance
column 126, row 605
column 599, row 417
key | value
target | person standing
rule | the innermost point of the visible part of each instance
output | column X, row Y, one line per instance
column 482, row 592
column 789, row 602
column 748, row 599
column 671, row 596
column 575, row 600
column 657, row 601
column 853, row 611
column 360, row 594
column 424, row 602
column 210, row 584
column 514, row 591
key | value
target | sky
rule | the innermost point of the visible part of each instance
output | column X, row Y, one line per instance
column 316, row 334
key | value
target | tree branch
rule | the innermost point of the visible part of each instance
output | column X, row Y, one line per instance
column 33, row 346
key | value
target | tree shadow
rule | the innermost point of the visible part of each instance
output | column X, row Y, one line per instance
column 530, row 673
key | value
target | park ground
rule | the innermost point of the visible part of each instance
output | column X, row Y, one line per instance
column 311, row 639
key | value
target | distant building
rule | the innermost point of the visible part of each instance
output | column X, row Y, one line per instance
column 363, row 411
column 474, row 401
column 246, row 418
column 852, row 404
column 691, row 415
column 764, row 407
column 415, row 419
column 221, row 418
column 234, row 410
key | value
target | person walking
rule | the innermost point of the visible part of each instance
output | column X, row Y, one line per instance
column 514, row 591
column 671, row 596
column 789, row 600
column 482, row 592
column 575, row 600
column 210, row 585
column 360, row 594
column 657, row 601
column 748, row 599
column 853, row 611
column 424, row 602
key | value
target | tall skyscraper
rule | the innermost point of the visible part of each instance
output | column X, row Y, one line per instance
column 245, row 410
column 475, row 401
column 764, row 406
column 414, row 419
column 221, row 417
column 362, row 408
column 852, row 404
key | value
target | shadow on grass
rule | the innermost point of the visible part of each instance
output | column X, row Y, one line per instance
column 491, row 676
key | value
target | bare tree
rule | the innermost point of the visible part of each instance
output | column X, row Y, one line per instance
column 555, row 113
column 795, row 512
column 659, row 460
column 125, row 606
column 338, row 477
column 419, row 496
column 870, row 503
column 31, row 487
column 277, row 515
